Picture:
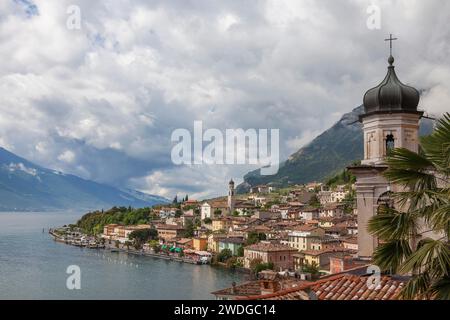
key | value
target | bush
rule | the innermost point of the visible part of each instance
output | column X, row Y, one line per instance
column 256, row 265
column 224, row 255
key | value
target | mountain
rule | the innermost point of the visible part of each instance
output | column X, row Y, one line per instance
column 328, row 153
column 25, row 186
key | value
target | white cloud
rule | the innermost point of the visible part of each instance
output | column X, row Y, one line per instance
column 67, row 156
column 112, row 92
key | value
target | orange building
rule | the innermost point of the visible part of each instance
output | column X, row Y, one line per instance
column 200, row 244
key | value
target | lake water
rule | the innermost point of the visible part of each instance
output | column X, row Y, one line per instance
column 33, row 266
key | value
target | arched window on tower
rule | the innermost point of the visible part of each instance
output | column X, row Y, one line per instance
column 390, row 144
column 386, row 199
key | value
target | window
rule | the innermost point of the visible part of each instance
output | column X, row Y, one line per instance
column 389, row 143
column 386, row 199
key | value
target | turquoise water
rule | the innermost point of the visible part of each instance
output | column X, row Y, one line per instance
column 33, row 266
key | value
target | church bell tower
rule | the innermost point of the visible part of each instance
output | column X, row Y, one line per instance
column 231, row 197
column 390, row 120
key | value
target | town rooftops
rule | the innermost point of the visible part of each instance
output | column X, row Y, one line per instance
column 305, row 228
column 269, row 247
column 352, row 240
column 323, row 251
column 340, row 287
column 169, row 227
column 244, row 289
column 235, row 240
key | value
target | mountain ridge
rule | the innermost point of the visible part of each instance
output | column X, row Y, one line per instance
column 328, row 153
column 25, row 186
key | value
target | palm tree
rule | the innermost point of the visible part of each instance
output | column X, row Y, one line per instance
column 414, row 236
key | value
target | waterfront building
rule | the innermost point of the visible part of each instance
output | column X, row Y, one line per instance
column 169, row 231
column 279, row 254
column 213, row 242
column 231, row 243
column 200, row 244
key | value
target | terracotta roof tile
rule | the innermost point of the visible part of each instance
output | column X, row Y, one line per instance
column 341, row 287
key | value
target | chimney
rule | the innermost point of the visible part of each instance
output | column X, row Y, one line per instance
column 233, row 287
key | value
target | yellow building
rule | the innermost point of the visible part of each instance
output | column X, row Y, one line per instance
column 200, row 244
column 213, row 242
column 221, row 224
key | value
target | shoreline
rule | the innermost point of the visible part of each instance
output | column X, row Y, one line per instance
column 59, row 239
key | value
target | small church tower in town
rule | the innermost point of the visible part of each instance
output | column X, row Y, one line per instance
column 390, row 120
column 231, row 197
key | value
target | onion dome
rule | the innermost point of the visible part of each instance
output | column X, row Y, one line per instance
column 391, row 95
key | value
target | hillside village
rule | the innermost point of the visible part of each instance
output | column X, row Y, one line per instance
column 300, row 232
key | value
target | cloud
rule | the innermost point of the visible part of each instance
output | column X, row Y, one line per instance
column 67, row 156
column 101, row 102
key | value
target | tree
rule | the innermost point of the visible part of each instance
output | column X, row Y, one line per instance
column 240, row 251
column 255, row 237
column 128, row 244
column 349, row 202
column 406, row 247
column 256, row 265
column 217, row 212
column 314, row 201
column 224, row 255
column 175, row 200
column 189, row 229
column 117, row 244
column 186, row 198
column 140, row 237
column 154, row 244
column 207, row 221
column 312, row 268
column 178, row 213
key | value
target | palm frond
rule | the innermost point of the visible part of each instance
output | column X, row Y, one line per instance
column 431, row 254
column 389, row 224
column 441, row 289
column 410, row 169
column 437, row 145
column 390, row 255
column 416, row 288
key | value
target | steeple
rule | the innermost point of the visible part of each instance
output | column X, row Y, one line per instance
column 391, row 120
column 231, row 199
column 391, row 95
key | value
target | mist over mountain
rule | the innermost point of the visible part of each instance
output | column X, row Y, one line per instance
column 25, row 186
column 328, row 153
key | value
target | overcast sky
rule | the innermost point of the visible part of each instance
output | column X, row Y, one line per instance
column 101, row 102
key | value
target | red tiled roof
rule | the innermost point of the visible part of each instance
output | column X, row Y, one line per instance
column 305, row 227
column 169, row 227
column 266, row 247
column 341, row 287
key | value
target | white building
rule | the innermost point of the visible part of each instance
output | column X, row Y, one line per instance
column 205, row 211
